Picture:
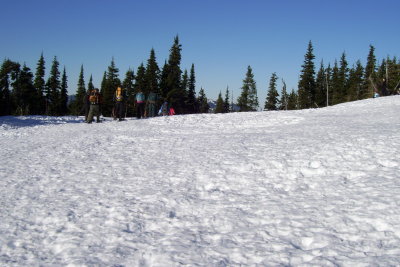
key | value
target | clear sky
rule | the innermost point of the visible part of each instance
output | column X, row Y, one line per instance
column 221, row 37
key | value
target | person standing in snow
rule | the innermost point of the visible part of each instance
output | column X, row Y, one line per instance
column 119, row 100
column 95, row 100
column 163, row 109
column 151, row 104
column 140, row 103
column 383, row 88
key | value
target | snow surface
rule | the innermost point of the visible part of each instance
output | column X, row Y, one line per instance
column 292, row 188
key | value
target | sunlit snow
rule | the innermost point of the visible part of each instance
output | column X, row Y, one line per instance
column 311, row 187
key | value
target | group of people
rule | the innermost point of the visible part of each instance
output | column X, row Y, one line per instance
column 144, row 107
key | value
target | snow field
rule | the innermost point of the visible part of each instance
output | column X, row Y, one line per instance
column 300, row 188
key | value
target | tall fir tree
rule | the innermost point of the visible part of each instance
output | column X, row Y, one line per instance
column 40, row 85
column 306, row 91
column 175, row 94
column 248, row 100
column 320, row 86
column 111, row 84
column 53, row 89
column 90, row 84
column 343, row 79
column 227, row 108
column 191, row 102
column 293, row 101
column 369, row 74
column 184, row 88
column 63, row 106
column 140, row 81
column 219, row 108
column 152, row 74
column 78, row 104
column 271, row 103
column 356, row 81
column 284, row 101
column 129, row 85
column 203, row 102
column 8, row 77
column 335, row 85
column 25, row 93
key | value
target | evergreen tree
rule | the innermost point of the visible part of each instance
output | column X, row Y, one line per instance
column 219, row 108
column 248, row 100
column 163, row 81
column 203, row 102
column 64, row 94
column 129, row 85
column 271, row 103
column 369, row 74
column 78, row 105
column 40, row 85
column 284, row 98
column 53, row 90
column 152, row 74
column 111, row 84
column 307, row 80
column 343, row 80
column 140, row 84
column 328, row 84
column 191, row 102
column 24, row 93
column 320, row 86
column 293, row 101
column 90, row 84
column 184, row 88
column 356, row 81
column 226, row 101
column 175, row 94
column 335, row 85
column 8, row 75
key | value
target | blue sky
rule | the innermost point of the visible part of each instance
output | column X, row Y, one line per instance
column 220, row 37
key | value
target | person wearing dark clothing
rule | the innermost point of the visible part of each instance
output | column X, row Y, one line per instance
column 140, row 103
column 383, row 87
column 86, row 104
column 95, row 102
column 119, row 99
column 151, row 105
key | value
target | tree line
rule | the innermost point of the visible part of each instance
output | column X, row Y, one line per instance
column 25, row 93
column 22, row 93
column 331, row 85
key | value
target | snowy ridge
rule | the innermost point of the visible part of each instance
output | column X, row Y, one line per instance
column 301, row 188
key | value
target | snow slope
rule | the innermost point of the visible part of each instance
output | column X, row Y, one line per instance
column 300, row 188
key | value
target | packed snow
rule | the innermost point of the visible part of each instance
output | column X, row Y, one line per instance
column 289, row 188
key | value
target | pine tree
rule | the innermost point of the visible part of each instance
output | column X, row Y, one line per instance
column 64, row 94
column 140, row 84
column 226, row 101
column 77, row 107
column 191, row 102
column 25, row 93
column 248, row 100
column 163, row 81
column 306, row 92
column 219, row 108
column 90, row 84
column 129, row 85
column 320, row 86
column 40, row 85
column 343, row 80
column 335, row 85
column 356, row 81
column 293, row 101
column 284, row 101
column 53, row 88
column 175, row 94
column 184, row 88
column 369, row 74
column 111, row 84
column 152, row 74
column 8, row 75
column 271, row 103
column 203, row 102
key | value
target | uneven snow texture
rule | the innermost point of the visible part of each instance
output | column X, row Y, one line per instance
column 288, row 188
